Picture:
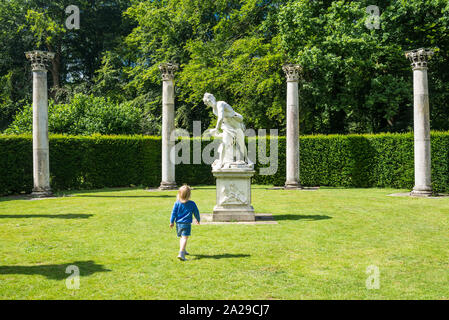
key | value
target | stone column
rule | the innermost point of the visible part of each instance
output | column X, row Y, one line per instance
column 419, row 58
column 41, row 160
column 292, row 165
column 168, row 125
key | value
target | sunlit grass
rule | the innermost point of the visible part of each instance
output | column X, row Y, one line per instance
column 320, row 249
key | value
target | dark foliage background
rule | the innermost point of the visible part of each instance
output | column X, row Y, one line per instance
column 355, row 79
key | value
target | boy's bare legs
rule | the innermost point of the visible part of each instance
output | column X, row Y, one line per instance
column 182, row 248
column 183, row 243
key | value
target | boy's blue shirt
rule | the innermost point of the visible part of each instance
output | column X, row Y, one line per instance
column 182, row 212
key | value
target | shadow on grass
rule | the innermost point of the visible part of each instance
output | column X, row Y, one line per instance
column 203, row 187
column 101, row 196
column 219, row 256
column 300, row 217
column 51, row 216
column 13, row 198
column 55, row 271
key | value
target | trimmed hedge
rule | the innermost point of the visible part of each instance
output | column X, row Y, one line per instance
column 81, row 162
column 89, row 162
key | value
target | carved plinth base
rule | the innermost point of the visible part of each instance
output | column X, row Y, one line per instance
column 168, row 186
column 233, row 195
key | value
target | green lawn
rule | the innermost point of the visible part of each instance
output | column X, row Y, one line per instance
column 320, row 249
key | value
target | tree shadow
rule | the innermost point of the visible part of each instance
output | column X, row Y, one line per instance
column 219, row 256
column 105, row 196
column 300, row 217
column 55, row 271
column 13, row 198
column 51, row 216
column 203, row 187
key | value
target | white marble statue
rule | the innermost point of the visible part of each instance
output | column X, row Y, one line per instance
column 230, row 127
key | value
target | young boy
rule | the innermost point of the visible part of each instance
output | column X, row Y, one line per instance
column 182, row 215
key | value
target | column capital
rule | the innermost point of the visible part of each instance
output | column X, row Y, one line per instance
column 40, row 60
column 419, row 57
column 292, row 71
column 168, row 70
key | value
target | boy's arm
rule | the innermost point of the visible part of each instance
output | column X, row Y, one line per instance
column 196, row 213
column 174, row 213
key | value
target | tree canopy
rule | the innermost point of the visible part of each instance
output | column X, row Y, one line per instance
column 355, row 77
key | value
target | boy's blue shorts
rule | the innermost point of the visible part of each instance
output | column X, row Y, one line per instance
column 183, row 229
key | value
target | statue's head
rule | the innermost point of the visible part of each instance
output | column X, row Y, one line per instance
column 209, row 99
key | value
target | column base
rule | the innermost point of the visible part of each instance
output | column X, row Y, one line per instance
column 42, row 193
column 421, row 192
column 292, row 186
column 168, row 186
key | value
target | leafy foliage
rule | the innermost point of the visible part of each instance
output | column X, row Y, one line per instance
column 224, row 47
column 355, row 79
column 84, row 115
column 35, row 24
column 45, row 30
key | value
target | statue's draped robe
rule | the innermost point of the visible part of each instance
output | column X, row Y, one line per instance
column 231, row 127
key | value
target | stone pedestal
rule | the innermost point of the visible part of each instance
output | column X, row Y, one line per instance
column 292, row 158
column 168, row 125
column 233, row 194
column 41, row 158
column 421, row 122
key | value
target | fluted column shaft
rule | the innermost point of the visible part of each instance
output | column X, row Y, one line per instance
column 41, row 157
column 168, row 125
column 292, row 160
column 421, row 122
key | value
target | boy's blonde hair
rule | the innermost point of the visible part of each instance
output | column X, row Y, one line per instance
column 184, row 193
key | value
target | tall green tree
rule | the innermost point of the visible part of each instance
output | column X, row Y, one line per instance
column 356, row 78
column 38, row 24
column 226, row 47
